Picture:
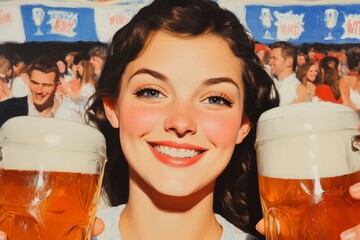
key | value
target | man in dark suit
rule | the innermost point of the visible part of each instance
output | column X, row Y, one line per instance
column 44, row 79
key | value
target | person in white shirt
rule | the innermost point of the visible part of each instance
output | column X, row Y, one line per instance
column 21, row 79
column 282, row 67
column 5, row 91
column 97, row 59
column 41, row 102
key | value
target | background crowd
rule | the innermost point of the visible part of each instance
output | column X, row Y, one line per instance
column 64, row 94
column 313, row 74
column 301, row 73
column 58, row 83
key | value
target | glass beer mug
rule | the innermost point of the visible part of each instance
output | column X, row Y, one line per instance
column 50, row 178
column 308, row 157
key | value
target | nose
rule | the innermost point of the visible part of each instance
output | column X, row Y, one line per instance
column 181, row 120
column 39, row 88
column 271, row 62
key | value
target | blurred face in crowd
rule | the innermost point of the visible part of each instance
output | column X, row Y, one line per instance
column 80, row 70
column 69, row 59
column 61, row 66
column 74, row 68
column 312, row 72
column 312, row 55
column 278, row 63
column 42, row 87
column 17, row 68
column 300, row 60
column 97, row 63
column 261, row 54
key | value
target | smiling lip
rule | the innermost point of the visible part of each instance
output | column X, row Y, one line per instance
column 176, row 155
column 39, row 97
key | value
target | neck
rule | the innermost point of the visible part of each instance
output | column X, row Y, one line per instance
column 45, row 110
column 284, row 74
column 153, row 215
column 309, row 81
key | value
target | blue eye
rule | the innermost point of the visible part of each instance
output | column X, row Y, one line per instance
column 148, row 93
column 218, row 101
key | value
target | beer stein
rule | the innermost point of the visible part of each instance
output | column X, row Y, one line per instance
column 50, row 178
column 308, row 157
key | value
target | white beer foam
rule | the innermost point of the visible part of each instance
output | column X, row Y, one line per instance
column 48, row 144
column 307, row 140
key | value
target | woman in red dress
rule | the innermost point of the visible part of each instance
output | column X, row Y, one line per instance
column 329, row 90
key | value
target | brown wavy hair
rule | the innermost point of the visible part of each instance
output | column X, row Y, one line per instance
column 302, row 71
column 330, row 75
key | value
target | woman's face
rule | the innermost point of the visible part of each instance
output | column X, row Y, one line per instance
column 74, row 68
column 17, row 67
column 312, row 72
column 61, row 66
column 261, row 54
column 301, row 60
column 180, row 112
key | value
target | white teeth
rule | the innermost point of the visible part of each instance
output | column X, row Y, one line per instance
column 175, row 152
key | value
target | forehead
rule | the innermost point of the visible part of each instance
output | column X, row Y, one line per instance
column 200, row 57
column 314, row 66
column 95, row 57
column 42, row 77
column 276, row 52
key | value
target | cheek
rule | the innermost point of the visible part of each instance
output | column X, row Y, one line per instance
column 138, row 119
column 221, row 129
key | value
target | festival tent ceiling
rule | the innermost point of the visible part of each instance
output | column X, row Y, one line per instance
column 297, row 21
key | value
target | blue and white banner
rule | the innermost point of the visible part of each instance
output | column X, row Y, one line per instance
column 72, row 21
column 304, row 24
column 43, row 23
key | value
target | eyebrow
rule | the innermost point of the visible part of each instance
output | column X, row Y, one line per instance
column 208, row 82
column 153, row 73
column 43, row 84
column 212, row 81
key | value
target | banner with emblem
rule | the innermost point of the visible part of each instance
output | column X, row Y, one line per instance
column 44, row 23
column 71, row 21
column 305, row 24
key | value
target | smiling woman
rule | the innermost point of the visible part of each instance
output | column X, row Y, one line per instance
column 178, row 101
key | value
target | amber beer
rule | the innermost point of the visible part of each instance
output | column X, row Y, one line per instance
column 295, row 211
column 50, row 178
column 306, row 164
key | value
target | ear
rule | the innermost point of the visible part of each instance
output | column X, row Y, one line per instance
column 244, row 129
column 57, row 85
column 289, row 61
column 110, row 113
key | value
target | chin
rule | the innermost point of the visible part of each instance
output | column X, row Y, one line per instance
column 175, row 189
column 184, row 189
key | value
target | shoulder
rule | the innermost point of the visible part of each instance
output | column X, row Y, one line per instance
column 350, row 81
column 293, row 80
column 18, row 81
column 13, row 107
column 111, row 217
column 322, row 87
column 14, row 102
column 110, row 212
column 302, row 88
column 230, row 232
